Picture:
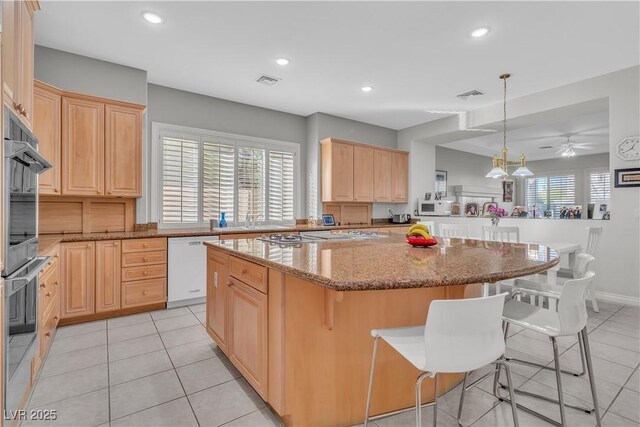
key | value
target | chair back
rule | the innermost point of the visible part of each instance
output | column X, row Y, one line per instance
column 454, row 230
column 464, row 334
column 572, row 309
column 430, row 225
column 501, row 234
column 581, row 265
column 593, row 240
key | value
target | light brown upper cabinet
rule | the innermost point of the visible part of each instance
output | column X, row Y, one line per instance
column 47, row 104
column 77, row 278
column 355, row 172
column 94, row 144
column 337, row 171
column 123, row 151
column 83, row 147
column 17, row 57
column 400, row 175
column 362, row 174
column 382, row 176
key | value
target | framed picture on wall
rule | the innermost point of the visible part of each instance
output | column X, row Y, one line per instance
column 629, row 177
column 441, row 183
column 507, row 191
column 471, row 209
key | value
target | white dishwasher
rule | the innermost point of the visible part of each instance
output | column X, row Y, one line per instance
column 187, row 270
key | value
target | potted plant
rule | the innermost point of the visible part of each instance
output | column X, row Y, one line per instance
column 495, row 213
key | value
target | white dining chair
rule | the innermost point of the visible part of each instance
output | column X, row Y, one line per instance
column 504, row 235
column 459, row 336
column 430, row 225
column 569, row 319
column 455, row 230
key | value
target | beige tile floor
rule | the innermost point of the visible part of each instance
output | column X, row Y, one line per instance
column 161, row 369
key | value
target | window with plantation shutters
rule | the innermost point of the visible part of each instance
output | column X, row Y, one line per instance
column 201, row 174
column 562, row 193
column 180, row 180
column 251, row 183
column 550, row 193
column 218, row 180
column 599, row 186
column 281, row 186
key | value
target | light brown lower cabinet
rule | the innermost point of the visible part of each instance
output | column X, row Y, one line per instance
column 217, row 285
column 248, row 325
column 78, row 278
column 108, row 259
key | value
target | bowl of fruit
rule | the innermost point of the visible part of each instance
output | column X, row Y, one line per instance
column 418, row 236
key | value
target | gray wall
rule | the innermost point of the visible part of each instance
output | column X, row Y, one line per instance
column 464, row 169
column 321, row 126
column 91, row 76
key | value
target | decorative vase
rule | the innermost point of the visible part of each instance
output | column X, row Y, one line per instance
column 223, row 222
column 495, row 221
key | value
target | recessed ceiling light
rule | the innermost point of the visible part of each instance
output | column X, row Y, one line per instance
column 154, row 18
column 366, row 88
column 282, row 61
column 479, row 32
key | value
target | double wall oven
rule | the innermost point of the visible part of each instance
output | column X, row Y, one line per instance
column 22, row 164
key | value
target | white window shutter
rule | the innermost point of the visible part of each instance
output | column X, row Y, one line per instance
column 251, row 183
column 180, row 180
column 281, row 186
column 218, row 181
column 599, row 186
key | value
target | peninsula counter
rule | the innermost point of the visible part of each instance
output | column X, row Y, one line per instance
column 296, row 320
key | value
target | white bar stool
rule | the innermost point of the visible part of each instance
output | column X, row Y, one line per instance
column 455, row 230
column 571, row 318
column 459, row 336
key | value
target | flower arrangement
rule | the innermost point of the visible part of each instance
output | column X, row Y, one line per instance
column 496, row 213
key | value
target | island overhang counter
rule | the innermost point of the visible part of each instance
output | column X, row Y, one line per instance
column 296, row 319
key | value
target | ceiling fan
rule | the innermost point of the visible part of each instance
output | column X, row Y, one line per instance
column 568, row 148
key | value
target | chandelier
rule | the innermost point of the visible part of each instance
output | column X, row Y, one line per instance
column 501, row 165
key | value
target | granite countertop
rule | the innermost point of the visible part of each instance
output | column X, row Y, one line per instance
column 390, row 263
column 47, row 241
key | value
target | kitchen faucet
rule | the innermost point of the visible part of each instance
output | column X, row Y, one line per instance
column 250, row 220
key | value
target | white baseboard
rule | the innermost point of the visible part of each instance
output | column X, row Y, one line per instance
column 618, row 299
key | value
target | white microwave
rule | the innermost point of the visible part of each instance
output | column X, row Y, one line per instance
column 434, row 208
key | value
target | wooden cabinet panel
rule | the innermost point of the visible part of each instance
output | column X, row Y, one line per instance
column 144, row 245
column 337, row 171
column 362, row 174
column 382, row 176
column 248, row 334
column 123, row 151
column 78, row 279
column 400, row 175
column 48, row 292
column 26, row 62
column 107, row 275
column 83, row 142
column 144, row 292
column 46, row 126
column 217, row 288
column 10, row 47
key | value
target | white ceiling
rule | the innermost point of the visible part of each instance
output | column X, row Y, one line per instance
column 592, row 129
column 417, row 55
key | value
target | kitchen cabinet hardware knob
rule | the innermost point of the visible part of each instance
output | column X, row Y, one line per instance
column 43, row 285
column 56, row 256
column 48, row 334
column 48, row 294
column 18, row 107
column 144, row 245
column 145, row 259
column 55, row 283
column 145, row 273
column 55, row 190
column 244, row 271
column 55, row 317
column 145, row 293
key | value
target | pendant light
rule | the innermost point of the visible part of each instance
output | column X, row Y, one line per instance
column 500, row 165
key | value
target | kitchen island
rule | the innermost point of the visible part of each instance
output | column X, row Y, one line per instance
column 296, row 319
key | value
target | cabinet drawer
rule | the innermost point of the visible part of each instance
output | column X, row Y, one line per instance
column 51, row 265
column 144, row 245
column 48, row 324
column 144, row 272
column 48, row 295
column 144, row 292
column 250, row 273
column 135, row 259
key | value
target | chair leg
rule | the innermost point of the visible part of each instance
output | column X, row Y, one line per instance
column 421, row 377
column 592, row 297
column 592, row 380
column 435, row 400
column 464, row 388
column 556, row 359
column 582, row 358
column 512, row 396
column 373, row 367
